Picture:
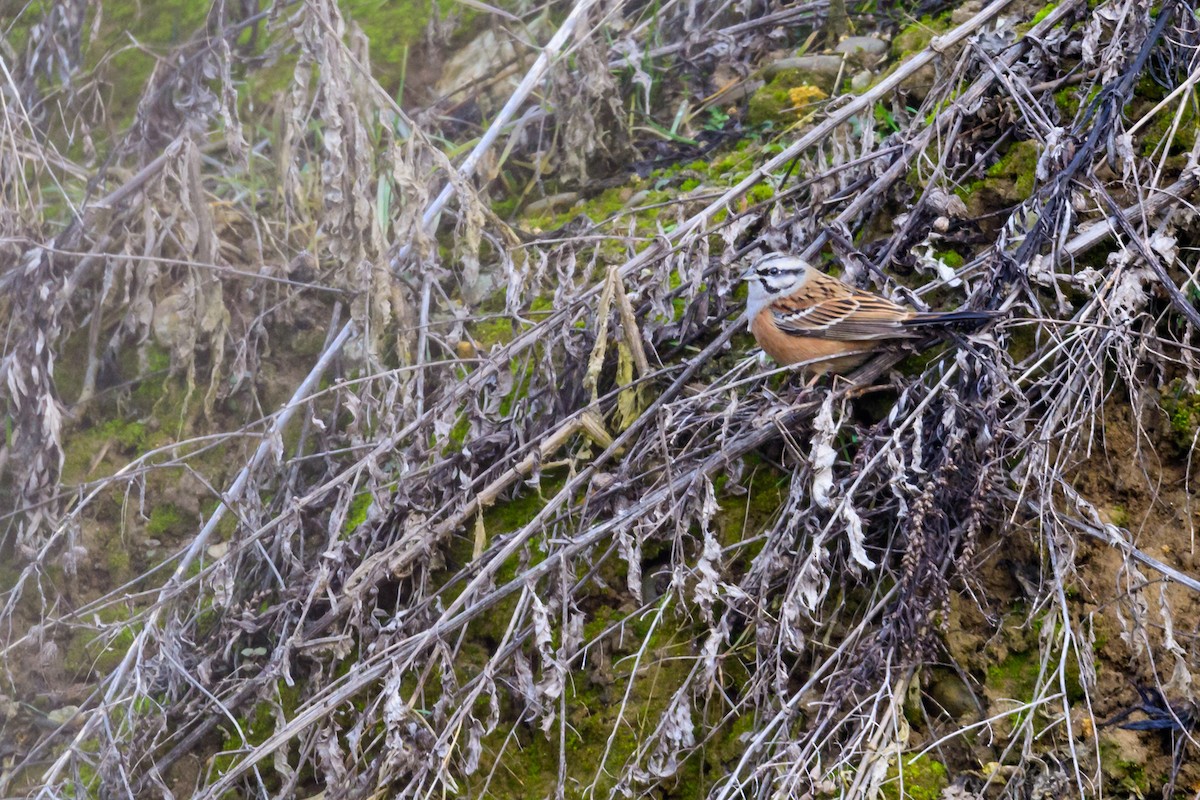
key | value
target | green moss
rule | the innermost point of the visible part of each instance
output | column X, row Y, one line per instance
column 514, row 514
column 746, row 515
column 357, row 514
column 1129, row 775
column 642, row 200
column 1073, row 681
column 115, row 436
column 164, row 519
column 951, row 259
column 257, row 725
column 917, row 36
column 1069, row 101
column 773, row 103
column 1025, row 27
column 1007, row 182
column 155, row 27
column 1183, row 411
column 1043, row 12
column 87, row 652
column 609, row 714
column 490, row 332
column 458, row 434
column 1019, row 165
column 1184, row 138
column 922, row 779
column 158, row 358
column 1147, row 88
column 1022, row 341
column 393, row 28
column 760, row 192
column 523, row 373
column 917, row 363
column 731, row 162
column 1016, row 676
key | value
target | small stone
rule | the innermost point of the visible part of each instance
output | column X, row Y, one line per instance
column 821, row 65
column 553, row 203
column 951, row 695
column 861, row 80
column 60, row 716
column 868, row 45
column 637, row 198
column 965, row 11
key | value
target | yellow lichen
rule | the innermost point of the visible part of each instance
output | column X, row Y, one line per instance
column 804, row 96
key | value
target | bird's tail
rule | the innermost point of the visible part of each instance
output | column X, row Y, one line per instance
column 968, row 319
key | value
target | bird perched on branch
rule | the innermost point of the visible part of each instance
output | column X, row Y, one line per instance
column 799, row 314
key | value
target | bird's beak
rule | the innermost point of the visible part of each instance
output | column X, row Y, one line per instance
column 748, row 274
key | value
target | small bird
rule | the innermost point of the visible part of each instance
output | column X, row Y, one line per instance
column 799, row 314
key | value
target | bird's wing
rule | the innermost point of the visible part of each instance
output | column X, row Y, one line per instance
column 827, row 308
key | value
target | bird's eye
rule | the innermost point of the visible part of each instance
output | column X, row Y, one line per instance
column 773, row 271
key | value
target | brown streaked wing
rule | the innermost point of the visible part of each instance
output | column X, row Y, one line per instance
column 830, row 309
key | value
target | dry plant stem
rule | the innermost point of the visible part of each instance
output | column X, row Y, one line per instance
column 843, row 115
column 107, row 203
column 1033, row 705
column 399, row 554
column 1178, row 91
column 537, row 71
column 271, row 441
column 782, row 17
column 690, row 227
column 875, row 749
column 788, row 709
column 396, row 558
column 1181, row 303
column 423, row 341
column 951, row 116
column 429, row 219
column 460, row 612
column 1122, row 543
column 1094, row 233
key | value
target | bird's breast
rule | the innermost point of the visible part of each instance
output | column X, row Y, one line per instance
column 827, row 355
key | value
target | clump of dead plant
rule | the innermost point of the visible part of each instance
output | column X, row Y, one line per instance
column 351, row 612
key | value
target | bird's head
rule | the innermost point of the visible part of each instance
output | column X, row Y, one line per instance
column 773, row 276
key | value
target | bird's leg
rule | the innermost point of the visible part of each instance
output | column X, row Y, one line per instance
column 835, row 379
column 814, row 379
column 855, row 391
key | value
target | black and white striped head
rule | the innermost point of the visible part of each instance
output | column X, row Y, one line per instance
column 773, row 276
